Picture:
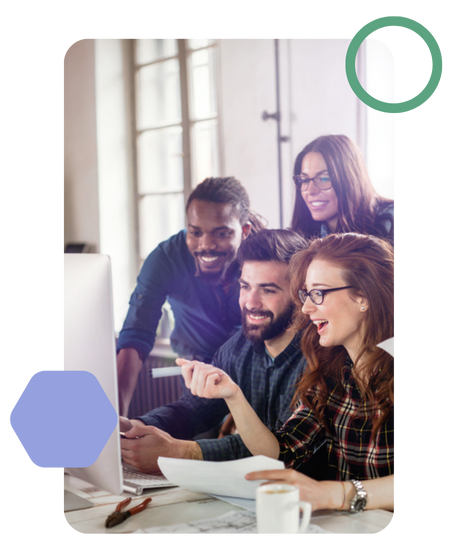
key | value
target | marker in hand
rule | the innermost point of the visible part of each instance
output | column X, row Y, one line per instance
column 162, row 372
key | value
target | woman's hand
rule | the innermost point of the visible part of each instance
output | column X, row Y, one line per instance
column 321, row 494
column 213, row 383
column 332, row 495
column 207, row 381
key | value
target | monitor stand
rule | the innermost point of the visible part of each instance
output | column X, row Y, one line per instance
column 74, row 502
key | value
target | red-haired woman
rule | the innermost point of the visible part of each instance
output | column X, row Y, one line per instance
column 343, row 286
column 334, row 193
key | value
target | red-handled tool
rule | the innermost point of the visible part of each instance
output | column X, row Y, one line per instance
column 118, row 516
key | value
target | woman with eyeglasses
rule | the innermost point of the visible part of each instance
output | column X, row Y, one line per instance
column 343, row 289
column 334, row 193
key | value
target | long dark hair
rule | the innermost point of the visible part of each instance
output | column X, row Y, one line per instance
column 361, row 209
column 227, row 190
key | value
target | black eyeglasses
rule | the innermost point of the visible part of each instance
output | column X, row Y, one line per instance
column 317, row 295
column 322, row 182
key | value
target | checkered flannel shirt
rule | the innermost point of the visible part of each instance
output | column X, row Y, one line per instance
column 347, row 435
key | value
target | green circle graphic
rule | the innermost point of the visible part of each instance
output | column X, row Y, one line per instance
column 369, row 100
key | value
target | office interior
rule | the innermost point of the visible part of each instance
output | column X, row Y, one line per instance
column 146, row 120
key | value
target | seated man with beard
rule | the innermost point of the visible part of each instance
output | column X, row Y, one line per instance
column 263, row 358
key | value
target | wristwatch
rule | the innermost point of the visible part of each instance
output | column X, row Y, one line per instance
column 359, row 501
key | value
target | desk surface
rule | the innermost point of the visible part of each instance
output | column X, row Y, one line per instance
column 175, row 505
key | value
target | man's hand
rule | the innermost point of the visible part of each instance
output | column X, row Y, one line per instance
column 144, row 444
column 207, row 381
column 126, row 425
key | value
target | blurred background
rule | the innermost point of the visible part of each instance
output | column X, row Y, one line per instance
column 147, row 120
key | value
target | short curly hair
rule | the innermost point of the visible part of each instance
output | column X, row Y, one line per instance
column 227, row 190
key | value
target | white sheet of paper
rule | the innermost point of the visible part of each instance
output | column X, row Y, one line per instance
column 231, row 522
column 388, row 345
column 218, row 478
column 248, row 504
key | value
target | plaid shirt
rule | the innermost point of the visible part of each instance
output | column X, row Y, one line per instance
column 351, row 454
column 268, row 384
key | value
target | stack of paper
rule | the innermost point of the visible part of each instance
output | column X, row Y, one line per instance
column 218, row 478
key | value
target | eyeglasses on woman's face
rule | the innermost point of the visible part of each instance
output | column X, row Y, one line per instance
column 321, row 181
column 317, row 295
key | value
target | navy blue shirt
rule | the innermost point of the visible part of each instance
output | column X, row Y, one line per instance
column 268, row 385
column 205, row 315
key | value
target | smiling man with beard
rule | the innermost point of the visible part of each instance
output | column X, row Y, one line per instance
column 197, row 273
column 266, row 304
column 263, row 358
column 263, row 325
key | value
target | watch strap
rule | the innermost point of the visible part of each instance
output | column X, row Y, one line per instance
column 359, row 501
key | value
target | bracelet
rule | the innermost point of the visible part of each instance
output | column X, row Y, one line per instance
column 343, row 500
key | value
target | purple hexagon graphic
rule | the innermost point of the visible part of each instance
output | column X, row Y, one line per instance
column 63, row 419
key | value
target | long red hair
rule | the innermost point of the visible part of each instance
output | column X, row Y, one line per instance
column 367, row 264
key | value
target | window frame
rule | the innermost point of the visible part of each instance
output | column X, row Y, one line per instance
column 187, row 125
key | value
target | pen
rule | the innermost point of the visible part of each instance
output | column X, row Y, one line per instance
column 165, row 371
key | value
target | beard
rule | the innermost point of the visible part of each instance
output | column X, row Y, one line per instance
column 257, row 334
column 217, row 278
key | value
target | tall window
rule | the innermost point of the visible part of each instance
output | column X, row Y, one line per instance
column 176, row 131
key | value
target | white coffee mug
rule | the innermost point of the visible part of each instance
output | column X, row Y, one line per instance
column 277, row 509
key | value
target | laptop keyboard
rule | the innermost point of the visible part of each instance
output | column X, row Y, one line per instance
column 135, row 481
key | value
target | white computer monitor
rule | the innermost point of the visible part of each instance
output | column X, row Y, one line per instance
column 89, row 345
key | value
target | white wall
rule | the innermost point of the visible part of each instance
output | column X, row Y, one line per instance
column 380, row 135
column 115, row 169
column 81, row 205
column 97, row 164
column 320, row 101
column 247, row 88
column 316, row 99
